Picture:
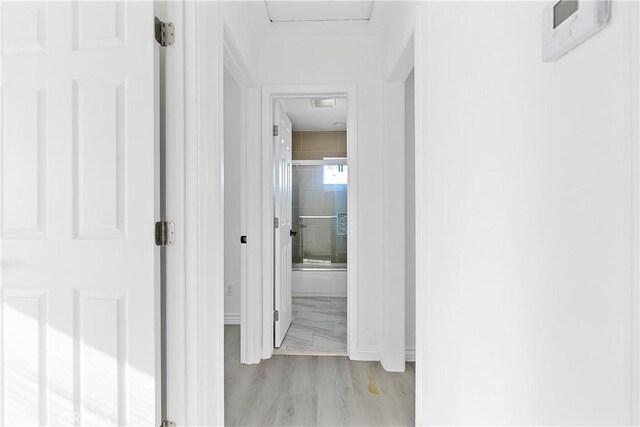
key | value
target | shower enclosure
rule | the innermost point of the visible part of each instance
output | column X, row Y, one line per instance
column 319, row 214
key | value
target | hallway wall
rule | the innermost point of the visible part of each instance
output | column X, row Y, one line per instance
column 247, row 22
column 232, row 205
column 410, row 218
column 527, row 237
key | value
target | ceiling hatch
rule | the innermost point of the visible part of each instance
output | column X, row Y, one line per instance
column 292, row 11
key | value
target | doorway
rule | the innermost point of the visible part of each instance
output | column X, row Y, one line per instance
column 311, row 240
column 233, row 200
column 313, row 273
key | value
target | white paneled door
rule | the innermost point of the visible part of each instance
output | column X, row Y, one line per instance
column 283, row 208
column 77, row 253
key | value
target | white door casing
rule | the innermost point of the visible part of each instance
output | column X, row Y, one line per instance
column 283, row 208
column 78, row 271
column 269, row 94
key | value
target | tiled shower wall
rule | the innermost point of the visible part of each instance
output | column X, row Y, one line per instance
column 318, row 145
column 318, row 240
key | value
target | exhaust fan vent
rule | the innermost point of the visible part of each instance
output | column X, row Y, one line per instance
column 323, row 103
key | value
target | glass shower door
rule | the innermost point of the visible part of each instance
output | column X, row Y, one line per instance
column 320, row 214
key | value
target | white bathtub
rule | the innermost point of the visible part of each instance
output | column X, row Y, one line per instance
column 318, row 282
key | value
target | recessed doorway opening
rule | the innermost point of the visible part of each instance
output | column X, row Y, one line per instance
column 313, row 278
column 311, row 188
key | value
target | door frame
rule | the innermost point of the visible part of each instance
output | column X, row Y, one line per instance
column 194, row 79
column 269, row 94
column 250, row 254
column 634, row 71
column 195, row 262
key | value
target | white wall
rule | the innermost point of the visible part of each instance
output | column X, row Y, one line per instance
column 247, row 22
column 410, row 218
column 396, row 20
column 232, row 230
column 309, row 54
column 339, row 52
column 525, row 234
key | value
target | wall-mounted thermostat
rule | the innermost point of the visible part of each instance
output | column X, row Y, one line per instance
column 567, row 23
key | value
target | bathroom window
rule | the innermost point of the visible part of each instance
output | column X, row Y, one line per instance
column 335, row 174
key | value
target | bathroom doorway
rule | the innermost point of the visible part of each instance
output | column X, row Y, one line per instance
column 313, row 205
column 319, row 222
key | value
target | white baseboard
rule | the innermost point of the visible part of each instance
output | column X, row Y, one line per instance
column 410, row 354
column 319, row 294
column 366, row 356
column 374, row 356
column 231, row 319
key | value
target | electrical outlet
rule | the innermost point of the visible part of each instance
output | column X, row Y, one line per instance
column 228, row 290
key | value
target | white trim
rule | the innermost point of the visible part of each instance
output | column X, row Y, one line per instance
column 235, row 64
column 365, row 356
column 159, row 9
column 319, row 294
column 405, row 60
column 392, row 245
column 269, row 92
column 251, row 329
column 210, row 215
column 234, row 61
column 410, row 354
column 634, row 73
column 175, row 208
column 420, row 155
column 195, row 359
column 191, row 409
column 232, row 319
column 393, row 355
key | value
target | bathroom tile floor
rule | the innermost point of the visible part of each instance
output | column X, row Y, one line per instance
column 319, row 327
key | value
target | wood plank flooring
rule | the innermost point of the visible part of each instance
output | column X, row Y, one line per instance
column 314, row 391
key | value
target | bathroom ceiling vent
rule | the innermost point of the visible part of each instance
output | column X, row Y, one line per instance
column 296, row 11
column 323, row 103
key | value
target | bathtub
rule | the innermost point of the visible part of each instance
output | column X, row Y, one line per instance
column 319, row 280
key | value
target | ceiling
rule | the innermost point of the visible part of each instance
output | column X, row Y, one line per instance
column 304, row 116
column 306, row 10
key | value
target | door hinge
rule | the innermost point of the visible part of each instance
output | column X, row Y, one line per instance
column 276, row 315
column 243, row 239
column 165, row 34
column 276, row 130
column 167, row 423
column 165, row 233
column 276, row 222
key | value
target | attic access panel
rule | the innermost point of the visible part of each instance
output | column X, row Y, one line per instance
column 293, row 11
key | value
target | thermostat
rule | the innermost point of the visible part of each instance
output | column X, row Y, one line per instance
column 568, row 23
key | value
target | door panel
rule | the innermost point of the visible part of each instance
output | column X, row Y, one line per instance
column 283, row 204
column 77, row 254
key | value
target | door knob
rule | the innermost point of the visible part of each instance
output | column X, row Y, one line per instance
column 293, row 233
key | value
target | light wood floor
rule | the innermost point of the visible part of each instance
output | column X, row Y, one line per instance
column 314, row 391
